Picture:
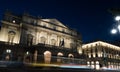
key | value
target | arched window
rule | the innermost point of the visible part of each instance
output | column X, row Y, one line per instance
column 43, row 40
column 29, row 39
column 92, row 64
column 53, row 42
column 11, row 35
column 47, row 57
column 60, row 54
column 97, row 65
column 71, row 45
column 70, row 56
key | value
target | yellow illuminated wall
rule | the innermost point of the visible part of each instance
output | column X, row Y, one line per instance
column 47, row 31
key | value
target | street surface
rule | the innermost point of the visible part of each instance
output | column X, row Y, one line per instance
column 29, row 69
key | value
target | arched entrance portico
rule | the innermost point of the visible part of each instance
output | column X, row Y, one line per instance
column 71, row 58
column 59, row 57
column 47, row 57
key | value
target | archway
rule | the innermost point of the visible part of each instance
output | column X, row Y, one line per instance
column 59, row 57
column 71, row 58
column 35, row 56
column 47, row 57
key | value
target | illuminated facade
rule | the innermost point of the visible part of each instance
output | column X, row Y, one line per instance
column 48, row 37
column 102, row 54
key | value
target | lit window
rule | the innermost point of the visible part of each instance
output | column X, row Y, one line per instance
column 89, row 55
column 97, row 65
column 99, row 54
column 88, row 63
column 94, row 55
column 8, row 51
column 92, row 64
column 13, row 21
column 27, row 52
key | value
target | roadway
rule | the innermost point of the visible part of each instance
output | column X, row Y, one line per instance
column 46, row 69
column 20, row 67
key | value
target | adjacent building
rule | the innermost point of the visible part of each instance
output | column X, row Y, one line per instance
column 102, row 54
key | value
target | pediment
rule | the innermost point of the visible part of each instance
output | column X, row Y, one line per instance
column 55, row 21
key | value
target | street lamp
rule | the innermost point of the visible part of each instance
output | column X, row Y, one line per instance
column 117, row 18
column 117, row 29
column 113, row 31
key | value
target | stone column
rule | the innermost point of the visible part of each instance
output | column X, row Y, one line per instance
column 94, row 54
column 48, row 38
column 37, row 37
column 35, row 56
column 58, row 40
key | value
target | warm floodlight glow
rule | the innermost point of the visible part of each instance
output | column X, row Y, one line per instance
column 13, row 21
column 117, row 18
column 8, row 51
column 113, row 31
column 60, row 54
column 104, row 44
column 27, row 52
column 119, row 27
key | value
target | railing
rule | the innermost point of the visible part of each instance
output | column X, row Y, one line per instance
column 46, row 59
column 52, row 46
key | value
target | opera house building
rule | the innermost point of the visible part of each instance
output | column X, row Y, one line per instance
column 30, row 38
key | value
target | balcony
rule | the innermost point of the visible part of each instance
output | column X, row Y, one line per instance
column 52, row 46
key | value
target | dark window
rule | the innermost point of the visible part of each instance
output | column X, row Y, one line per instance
column 54, row 27
column 61, row 43
column 29, row 39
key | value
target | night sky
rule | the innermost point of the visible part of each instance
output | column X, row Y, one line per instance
column 89, row 17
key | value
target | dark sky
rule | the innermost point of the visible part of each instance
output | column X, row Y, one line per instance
column 89, row 17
